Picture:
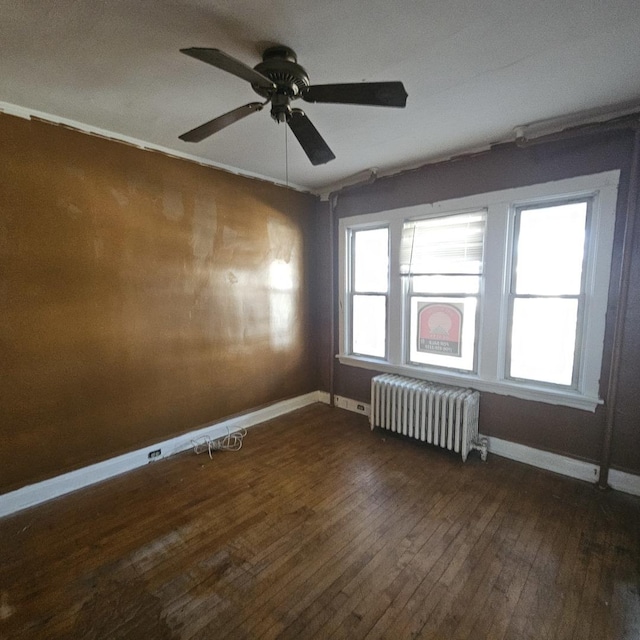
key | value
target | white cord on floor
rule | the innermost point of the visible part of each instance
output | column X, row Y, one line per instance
column 230, row 442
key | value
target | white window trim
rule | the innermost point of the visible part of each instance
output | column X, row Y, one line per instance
column 500, row 206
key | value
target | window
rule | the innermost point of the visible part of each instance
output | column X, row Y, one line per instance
column 504, row 291
column 442, row 260
column 369, row 286
column 547, row 292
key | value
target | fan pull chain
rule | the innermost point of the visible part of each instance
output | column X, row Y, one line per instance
column 286, row 154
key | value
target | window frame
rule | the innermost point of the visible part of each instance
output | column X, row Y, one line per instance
column 494, row 296
column 352, row 291
column 408, row 293
column 580, row 297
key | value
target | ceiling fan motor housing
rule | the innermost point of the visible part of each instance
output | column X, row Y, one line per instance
column 280, row 65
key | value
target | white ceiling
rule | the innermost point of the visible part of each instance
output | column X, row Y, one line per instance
column 473, row 69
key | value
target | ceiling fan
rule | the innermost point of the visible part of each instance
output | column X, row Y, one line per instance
column 280, row 80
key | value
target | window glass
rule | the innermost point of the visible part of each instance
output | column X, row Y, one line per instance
column 547, row 284
column 370, row 277
column 550, row 249
column 371, row 260
column 369, row 325
column 446, row 284
column 543, row 339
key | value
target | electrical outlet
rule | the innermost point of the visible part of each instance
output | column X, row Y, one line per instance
column 154, row 454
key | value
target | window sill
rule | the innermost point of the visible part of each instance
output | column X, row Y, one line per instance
column 564, row 398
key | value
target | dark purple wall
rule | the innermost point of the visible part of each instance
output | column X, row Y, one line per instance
column 562, row 430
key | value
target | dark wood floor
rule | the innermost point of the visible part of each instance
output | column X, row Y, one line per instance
column 319, row 529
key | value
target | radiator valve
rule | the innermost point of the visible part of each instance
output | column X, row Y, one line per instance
column 482, row 445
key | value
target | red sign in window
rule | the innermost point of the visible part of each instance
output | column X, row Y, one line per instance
column 440, row 328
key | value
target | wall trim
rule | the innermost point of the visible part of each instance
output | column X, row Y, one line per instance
column 555, row 462
column 35, row 494
column 618, row 480
column 363, row 408
column 623, row 481
column 564, row 465
column 57, row 486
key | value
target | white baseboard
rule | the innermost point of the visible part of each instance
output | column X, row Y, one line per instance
column 34, row 494
column 341, row 402
column 544, row 459
column 564, row 465
column 352, row 405
column 622, row 481
column 618, row 480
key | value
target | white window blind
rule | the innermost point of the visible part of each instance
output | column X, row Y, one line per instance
column 447, row 245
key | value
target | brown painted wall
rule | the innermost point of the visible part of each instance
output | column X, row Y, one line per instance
column 141, row 297
column 567, row 431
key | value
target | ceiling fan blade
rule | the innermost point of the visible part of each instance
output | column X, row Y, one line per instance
column 382, row 94
column 310, row 140
column 227, row 63
column 213, row 126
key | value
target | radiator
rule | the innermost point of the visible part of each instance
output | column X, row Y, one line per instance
column 441, row 415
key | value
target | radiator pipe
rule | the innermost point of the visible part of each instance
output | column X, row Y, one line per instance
column 333, row 205
column 621, row 311
column 623, row 122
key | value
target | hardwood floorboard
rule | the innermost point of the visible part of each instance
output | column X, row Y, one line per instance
column 518, row 555
column 318, row 528
column 315, row 609
column 534, row 580
column 496, row 606
column 366, row 608
column 355, row 545
column 327, row 607
column 327, row 537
